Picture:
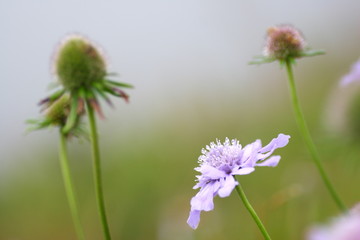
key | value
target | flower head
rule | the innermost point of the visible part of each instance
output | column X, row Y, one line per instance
column 353, row 75
column 284, row 43
column 56, row 114
column 81, row 69
column 78, row 63
column 218, row 165
column 346, row 227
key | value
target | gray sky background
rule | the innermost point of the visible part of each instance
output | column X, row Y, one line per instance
column 174, row 52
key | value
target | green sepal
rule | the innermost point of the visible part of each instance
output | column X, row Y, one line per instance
column 261, row 59
column 311, row 53
column 100, row 91
column 89, row 93
column 37, row 124
column 119, row 84
column 71, row 120
column 283, row 62
column 80, row 132
column 82, row 93
column 56, row 95
column 111, row 91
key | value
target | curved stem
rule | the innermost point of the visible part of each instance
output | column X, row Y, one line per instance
column 308, row 140
column 65, row 169
column 97, row 171
column 252, row 212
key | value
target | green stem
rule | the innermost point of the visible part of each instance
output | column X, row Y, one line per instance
column 97, row 171
column 307, row 137
column 65, row 169
column 252, row 212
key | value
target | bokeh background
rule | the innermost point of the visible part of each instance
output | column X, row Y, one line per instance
column 188, row 62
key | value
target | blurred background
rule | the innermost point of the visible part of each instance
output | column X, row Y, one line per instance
column 188, row 62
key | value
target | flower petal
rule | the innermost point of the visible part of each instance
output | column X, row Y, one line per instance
column 281, row 141
column 250, row 153
column 228, row 185
column 203, row 200
column 270, row 162
column 211, row 172
column 194, row 219
column 243, row 171
column 353, row 76
column 318, row 233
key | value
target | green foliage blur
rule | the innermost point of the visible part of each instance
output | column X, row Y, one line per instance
column 148, row 175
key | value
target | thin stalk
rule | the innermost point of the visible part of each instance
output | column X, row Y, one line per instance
column 97, row 171
column 307, row 138
column 70, row 192
column 252, row 212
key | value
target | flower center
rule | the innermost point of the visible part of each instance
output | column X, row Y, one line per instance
column 222, row 156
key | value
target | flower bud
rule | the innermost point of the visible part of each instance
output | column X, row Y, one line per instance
column 79, row 64
column 58, row 111
column 284, row 42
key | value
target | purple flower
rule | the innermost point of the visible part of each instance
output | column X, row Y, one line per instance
column 220, row 162
column 346, row 227
column 353, row 75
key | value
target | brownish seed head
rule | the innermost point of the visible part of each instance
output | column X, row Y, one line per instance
column 283, row 42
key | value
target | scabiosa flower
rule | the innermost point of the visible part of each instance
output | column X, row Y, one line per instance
column 284, row 42
column 81, row 70
column 346, row 227
column 343, row 114
column 353, row 75
column 218, row 165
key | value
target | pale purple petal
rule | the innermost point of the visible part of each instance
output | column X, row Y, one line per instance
column 194, row 219
column 318, row 234
column 243, row 171
column 270, row 162
column 200, row 184
column 229, row 185
column 203, row 200
column 211, row 172
column 346, row 227
column 249, row 156
column 353, row 76
column 281, row 141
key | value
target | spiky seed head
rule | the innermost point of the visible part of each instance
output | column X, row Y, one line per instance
column 79, row 64
column 283, row 42
column 59, row 110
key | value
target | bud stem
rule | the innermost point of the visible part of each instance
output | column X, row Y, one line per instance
column 252, row 212
column 97, row 171
column 307, row 137
column 70, row 192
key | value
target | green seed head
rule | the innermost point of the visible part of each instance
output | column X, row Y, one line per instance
column 59, row 110
column 79, row 64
